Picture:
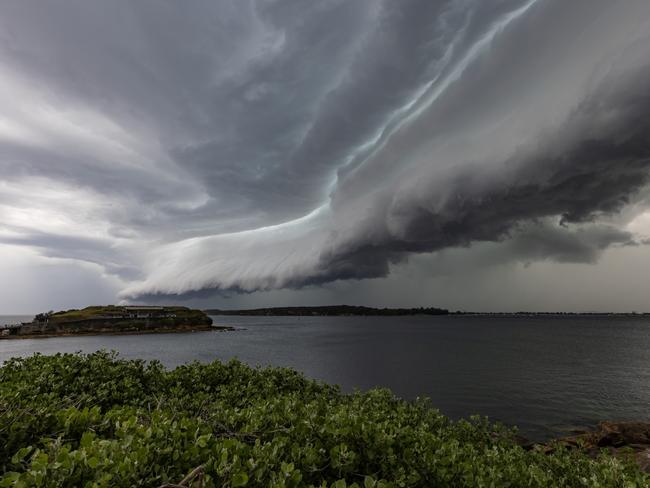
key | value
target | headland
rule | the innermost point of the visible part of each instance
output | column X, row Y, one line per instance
column 111, row 320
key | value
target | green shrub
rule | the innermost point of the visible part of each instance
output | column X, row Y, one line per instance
column 97, row 421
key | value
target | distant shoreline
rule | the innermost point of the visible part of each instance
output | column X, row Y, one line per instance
column 330, row 311
column 554, row 314
column 349, row 310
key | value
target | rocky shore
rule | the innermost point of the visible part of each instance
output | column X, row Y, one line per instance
column 630, row 440
column 177, row 330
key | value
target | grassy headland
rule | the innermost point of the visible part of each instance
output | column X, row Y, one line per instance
column 98, row 421
column 181, row 315
column 111, row 319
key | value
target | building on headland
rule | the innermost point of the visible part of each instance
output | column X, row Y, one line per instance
column 5, row 330
column 146, row 312
column 22, row 328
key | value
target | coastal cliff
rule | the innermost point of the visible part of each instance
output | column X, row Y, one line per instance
column 111, row 319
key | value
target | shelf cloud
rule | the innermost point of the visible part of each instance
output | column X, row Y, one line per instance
column 256, row 145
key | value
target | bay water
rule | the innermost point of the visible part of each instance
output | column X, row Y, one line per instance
column 545, row 374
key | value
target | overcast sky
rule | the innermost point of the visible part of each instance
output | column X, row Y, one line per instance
column 469, row 154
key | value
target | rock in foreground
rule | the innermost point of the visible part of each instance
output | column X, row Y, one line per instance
column 621, row 439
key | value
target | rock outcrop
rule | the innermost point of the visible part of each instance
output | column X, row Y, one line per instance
column 622, row 439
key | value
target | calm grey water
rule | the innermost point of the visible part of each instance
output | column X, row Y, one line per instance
column 546, row 375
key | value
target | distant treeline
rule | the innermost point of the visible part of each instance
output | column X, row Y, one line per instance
column 331, row 310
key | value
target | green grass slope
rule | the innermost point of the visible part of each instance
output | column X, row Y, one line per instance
column 183, row 314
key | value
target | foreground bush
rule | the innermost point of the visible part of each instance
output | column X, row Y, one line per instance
column 97, row 421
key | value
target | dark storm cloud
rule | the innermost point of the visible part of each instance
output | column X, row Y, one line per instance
column 243, row 145
column 576, row 180
column 528, row 243
column 219, row 95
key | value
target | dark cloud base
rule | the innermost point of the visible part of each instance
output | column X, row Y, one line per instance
column 597, row 175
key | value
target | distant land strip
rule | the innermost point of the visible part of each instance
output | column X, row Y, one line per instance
column 350, row 310
column 331, row 310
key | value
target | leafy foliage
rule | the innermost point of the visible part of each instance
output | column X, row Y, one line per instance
column 97, row 421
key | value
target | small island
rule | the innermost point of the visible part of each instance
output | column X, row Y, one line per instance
column 111, row 319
